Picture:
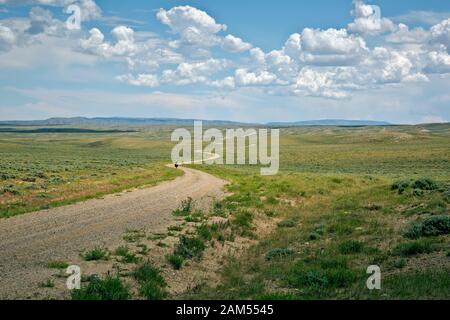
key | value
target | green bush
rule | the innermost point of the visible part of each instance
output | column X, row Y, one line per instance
column 96, row 254
column 175, row 260
column 350, row 247
column 401, row 185
column 431, row 227
column 425, row 184
column 189, row 247
column 110, row 288
column 279, row 253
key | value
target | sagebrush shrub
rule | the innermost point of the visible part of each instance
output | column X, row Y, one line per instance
column 433, row 226
column 189, row 247
column 401, row 185
column 425, row 184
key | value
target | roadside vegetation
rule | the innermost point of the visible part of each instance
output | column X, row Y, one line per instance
column 331, row 232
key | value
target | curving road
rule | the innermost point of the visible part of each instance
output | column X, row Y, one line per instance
column 28, row 242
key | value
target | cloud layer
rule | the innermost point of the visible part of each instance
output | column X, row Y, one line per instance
column 371, row 52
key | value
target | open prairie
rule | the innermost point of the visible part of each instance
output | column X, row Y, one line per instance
column 345, row 198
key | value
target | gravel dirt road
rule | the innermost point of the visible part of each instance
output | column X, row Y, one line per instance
column 28, row 242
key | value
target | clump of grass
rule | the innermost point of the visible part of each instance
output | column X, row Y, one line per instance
column 337, row 180
column 143, row 249
column 47, row 284
column 127, row 256
column 242, row 223
column 185, row 208
column 133, row 236
column 413, row 248
column 400, row 263
column 278, row 253
column 373, row 207
column 313, row 236
column 96, row 254
column 209, row 231
column 218, row 209
column 288, row 223
column 157, row 236
column 152, row 283
column 350, row 247
column 175, row 260
column 272, row 200
column 430, row 227
column 197, row 216
column 57, row 265
column 176, row 228
column 110, row 288
column 204, row 232
column 189, row 247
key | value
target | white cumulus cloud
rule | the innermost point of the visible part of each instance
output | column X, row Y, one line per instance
column 235, row 44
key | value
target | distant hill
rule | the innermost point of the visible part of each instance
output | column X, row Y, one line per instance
column 115, row 121
column 331, row 122
column 60, row 130
column 136, row 122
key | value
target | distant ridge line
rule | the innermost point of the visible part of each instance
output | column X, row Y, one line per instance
column 111, row 121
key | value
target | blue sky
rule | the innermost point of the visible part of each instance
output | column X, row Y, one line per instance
column 250, row 60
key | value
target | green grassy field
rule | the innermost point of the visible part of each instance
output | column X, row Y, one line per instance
column 339, row 214
column 42, row 170
column 334, row 207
